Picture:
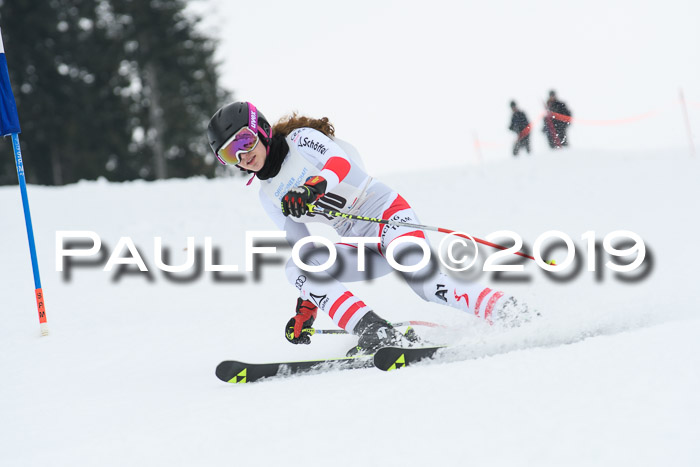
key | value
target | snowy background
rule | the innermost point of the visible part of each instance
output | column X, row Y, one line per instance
column 607, row 376
column 382, row 70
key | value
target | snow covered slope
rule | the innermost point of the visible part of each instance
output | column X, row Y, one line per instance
column 608, row 375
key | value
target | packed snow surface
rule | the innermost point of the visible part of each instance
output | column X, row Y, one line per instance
column 608, row 375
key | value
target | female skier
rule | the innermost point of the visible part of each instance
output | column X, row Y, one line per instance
column 300, row 162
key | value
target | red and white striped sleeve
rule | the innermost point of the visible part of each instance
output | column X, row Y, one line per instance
column 335, row 170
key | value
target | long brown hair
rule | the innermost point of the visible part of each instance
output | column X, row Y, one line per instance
column 289, row 123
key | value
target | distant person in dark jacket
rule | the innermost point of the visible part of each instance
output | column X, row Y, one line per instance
column 556, row 122
column 521, row 126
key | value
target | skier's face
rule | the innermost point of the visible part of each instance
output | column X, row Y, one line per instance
column 255, row 159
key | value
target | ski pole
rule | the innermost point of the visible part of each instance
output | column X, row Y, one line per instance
column 397, row 324
column 320, row 210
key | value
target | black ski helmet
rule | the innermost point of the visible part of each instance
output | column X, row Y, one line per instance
column 231, row 118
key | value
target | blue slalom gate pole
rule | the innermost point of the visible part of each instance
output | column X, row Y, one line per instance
column 9, row 125
column 30, row 236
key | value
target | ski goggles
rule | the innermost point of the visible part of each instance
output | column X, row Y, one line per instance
column 243, row 141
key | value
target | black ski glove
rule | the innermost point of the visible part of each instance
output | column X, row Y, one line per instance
column 299, row 330
column 296, row 200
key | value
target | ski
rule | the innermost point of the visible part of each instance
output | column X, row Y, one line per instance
column 387, row 358
column 393, row 358
column 233, row 371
